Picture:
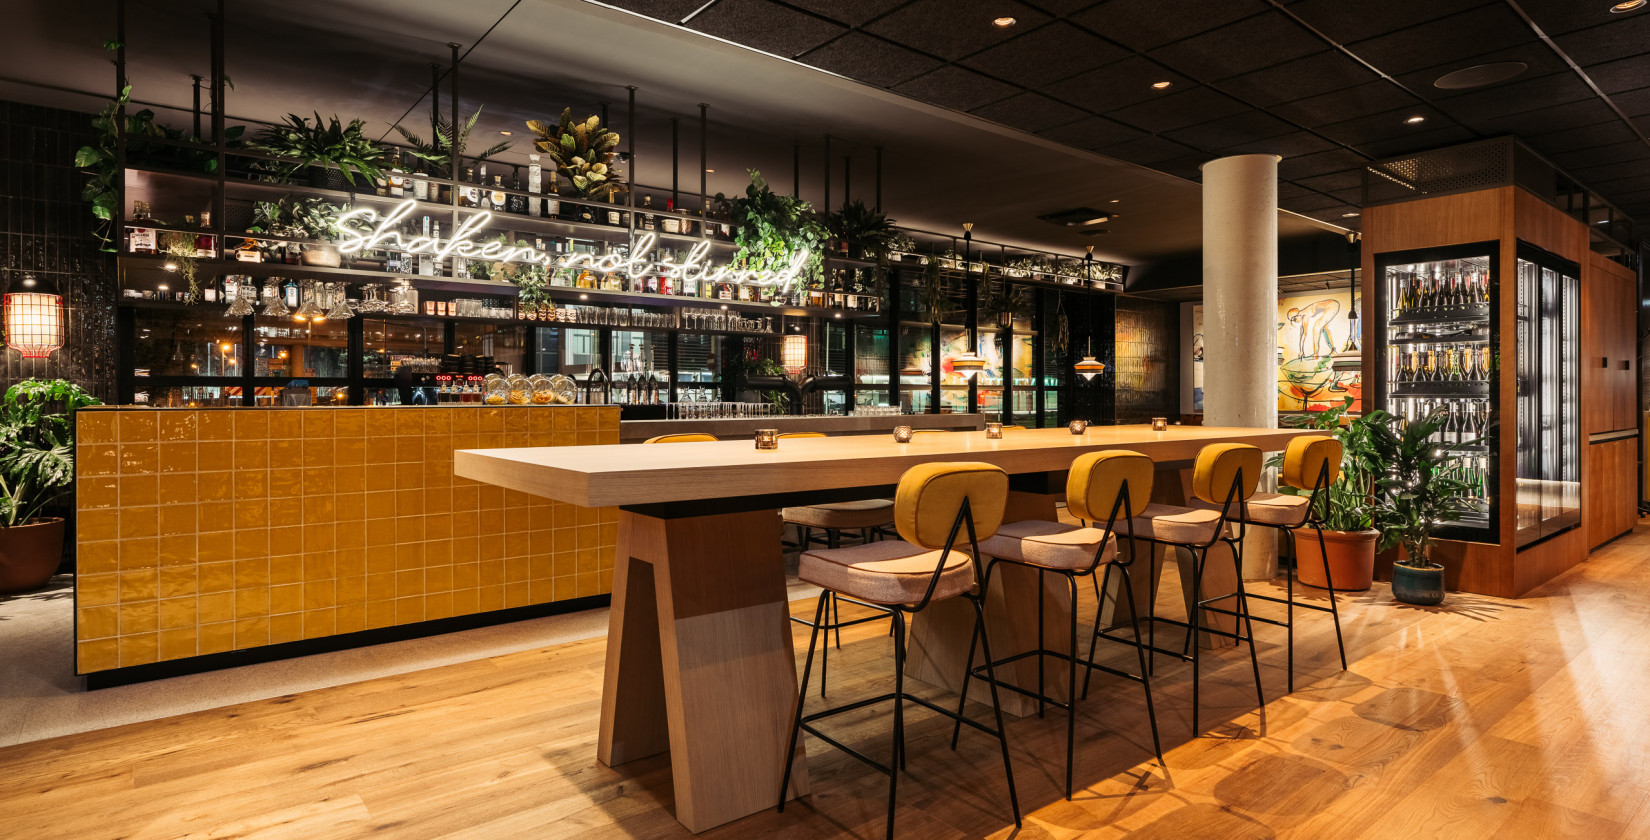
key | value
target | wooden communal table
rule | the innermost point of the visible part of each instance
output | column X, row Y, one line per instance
column 699, row 657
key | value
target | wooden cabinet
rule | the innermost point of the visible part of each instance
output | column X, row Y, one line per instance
column 1609, row 340
column 1609, row 491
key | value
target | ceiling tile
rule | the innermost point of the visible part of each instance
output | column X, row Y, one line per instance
column 1624, row 38
column 1614, row 177
column 1046, row 54
column 1288, row 190
column 1298, row 79
column 1118, row 85
column 1383, row 126
column 1145, row 24
column 1092, row 133
column 1064, row 7
column 851, row 12
column 765, row 26
column 1178, row 110
column 1309, row 203
column 1147, row 151
column 1353, row 196
column 1615, row 153
column 1242, row 47
column 1246, row 127
column 1559, row 16
column 1611, row 77
column 1346, row 21
column 1587, row 112
column 1436, row 138
column 1345, row 104
column 1344, row 180
column 670, row 11
column 1633, row 103
column 1289, row 145
column 1481, row 30
column 952, row 29
column 954, row 87
column 1584, row 137
column 1030, row 112
column 1514, row 97
column 870, row 60
column 1319, row 163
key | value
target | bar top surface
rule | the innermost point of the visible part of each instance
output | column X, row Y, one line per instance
column 630, row 474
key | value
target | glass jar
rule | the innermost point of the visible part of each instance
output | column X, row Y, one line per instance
column 520, row 390
column 544, row 393
column 495, row 390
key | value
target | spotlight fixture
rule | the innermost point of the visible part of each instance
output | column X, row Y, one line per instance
column 1415, row 120
column 1349, row 215
column 1161, row 85
column 710, row 170
column 1006, row 22
column 1627, row 6
column 507, row 133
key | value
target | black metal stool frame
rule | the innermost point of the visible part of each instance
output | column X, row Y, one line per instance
column 1042, row 652
column 898, row 695
column 833, row 538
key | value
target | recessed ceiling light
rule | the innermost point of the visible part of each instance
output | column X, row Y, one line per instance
column 710, row 170
column 1161, row 85
column 507, row 133
column 1006, row 22
column 1628, row 6
column 1115, row 200
column 1349, row 215
column 1416, row 119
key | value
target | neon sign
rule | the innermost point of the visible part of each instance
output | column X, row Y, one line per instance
column 364, row 229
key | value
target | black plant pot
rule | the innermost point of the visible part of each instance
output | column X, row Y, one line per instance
column 1422, row 587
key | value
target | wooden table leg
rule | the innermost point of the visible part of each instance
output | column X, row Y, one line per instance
column 1174, row 487
column 715, row 659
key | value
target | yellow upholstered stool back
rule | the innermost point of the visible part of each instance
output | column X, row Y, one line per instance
column 930, row 495
column 1006, row 428
column 1097, row 480
column 802, row 434
column 681, row 437
column 1218, row 464
column 1306, row 458
column 929, row 431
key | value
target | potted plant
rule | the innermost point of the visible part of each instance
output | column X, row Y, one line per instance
column 340, row 151
column 301, row 218
column 445, row 144
column 36, row 466
column 1003, row 302
column 1415, row 493
column 583, row 152
column 769, row 228
column 1346, row 508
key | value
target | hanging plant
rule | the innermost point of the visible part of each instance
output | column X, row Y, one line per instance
column 932, row 297
column 179, row 248
column 770, row 228
column 1061, row 339
column 583, row 152
column 1004, row 302
column 325, row 143
column 445, row 143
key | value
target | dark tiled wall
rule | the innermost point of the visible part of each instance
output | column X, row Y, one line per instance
column 1147, row 351
column 47, row 230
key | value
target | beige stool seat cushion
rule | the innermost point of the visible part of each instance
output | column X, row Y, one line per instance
column 1178, row 525
column 868, row 513
column 1268, row 509
column 1052, row 545
column 887, row 572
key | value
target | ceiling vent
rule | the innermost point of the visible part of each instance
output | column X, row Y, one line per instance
column 1078, row 217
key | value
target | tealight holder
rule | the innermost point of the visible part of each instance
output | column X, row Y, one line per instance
column 1078, row 427
column 994, row 431
column 902, row 434
column 1160, row 424
column 767, row 438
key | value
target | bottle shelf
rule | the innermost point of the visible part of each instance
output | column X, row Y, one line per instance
column 1441, row 389
column 1476, row 313
column 1462, row 339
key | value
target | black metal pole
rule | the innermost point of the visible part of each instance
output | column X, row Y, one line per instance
column 435, row 97
column 454, row 158
column 827, row 204
column 971, row 320
column 1005, row 337
column 219, row 111
column 704, row 152
column 197, row 109
column 630, row 152
column 675, row 163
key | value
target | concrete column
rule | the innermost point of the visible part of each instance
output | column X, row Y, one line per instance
column 1240, row 310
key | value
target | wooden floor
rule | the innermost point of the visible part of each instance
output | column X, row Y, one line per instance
column 1479, row 719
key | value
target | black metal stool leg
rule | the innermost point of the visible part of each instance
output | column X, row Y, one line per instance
column 1140, row 652
column 968, row 665
column 801, row 695
column 1042, row 691
column 1289, row 596
column 1192, row 639
column 899, row 718
column 1071, row 682
column 1248, row 625
column 996, row 703
column 1329, row 581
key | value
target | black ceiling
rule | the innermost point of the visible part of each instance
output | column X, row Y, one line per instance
column 1328, row 84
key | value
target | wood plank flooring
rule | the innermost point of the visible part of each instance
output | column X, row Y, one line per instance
column 1483, row 718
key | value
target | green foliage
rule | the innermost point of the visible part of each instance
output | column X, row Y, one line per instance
column 179, row 248
column 1349, row 503
column 444, row 144
column 769, row 228
column 324, row 143
column 1003, row 301
column 583, row 152
column 1415, row 489
column 36, row 446
column 297, row 218
column 933, row 297
column 861, row 227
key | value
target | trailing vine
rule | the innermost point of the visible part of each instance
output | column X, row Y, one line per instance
column 769, row 228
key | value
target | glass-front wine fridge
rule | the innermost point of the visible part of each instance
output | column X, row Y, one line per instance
column 1442, row 352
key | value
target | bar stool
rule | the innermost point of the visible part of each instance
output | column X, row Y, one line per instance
column 1008, row 428
column 1224, row 477
column 681, row 437
column 1311, row 463
column 942, row 510
column 1099, row 487
column 865, row 516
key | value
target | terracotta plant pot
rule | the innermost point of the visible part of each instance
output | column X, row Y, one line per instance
column 1422, row 586
column 1351, row 558
column 29, row 554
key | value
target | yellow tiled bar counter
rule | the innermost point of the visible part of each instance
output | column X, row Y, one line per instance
column 208, row 531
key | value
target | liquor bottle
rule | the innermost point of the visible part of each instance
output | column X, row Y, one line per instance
column 671, row 224
column 142, row 240
column 231, row 287
column 289, row 291
column 516, row 203
column 435, row 244
column 496, row 197
column 468, row 195
column 552, row 206
column 647, row 218
column 420, row 183
column 398, row 181
column 481, row 177
column 535, row 185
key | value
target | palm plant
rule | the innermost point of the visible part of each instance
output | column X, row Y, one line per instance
column 326, row 142
column 36, row 446
column 445, row 144
column 1415, row 488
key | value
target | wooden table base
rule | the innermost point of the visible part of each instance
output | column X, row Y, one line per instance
column 699, row 661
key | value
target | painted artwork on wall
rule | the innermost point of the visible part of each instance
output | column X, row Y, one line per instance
column 1197, row 357
column 1316, row 368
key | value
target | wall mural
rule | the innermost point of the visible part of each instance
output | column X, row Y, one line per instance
column 1314, row 371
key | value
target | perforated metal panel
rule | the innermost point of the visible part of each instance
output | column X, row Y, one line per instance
column 1456, row 169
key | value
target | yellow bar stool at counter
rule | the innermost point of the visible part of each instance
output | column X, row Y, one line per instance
column 1311, row 464
column 1100, row 487
column 865, row 516
column 942, row 511
column 1224, row 477
column 682, row 437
